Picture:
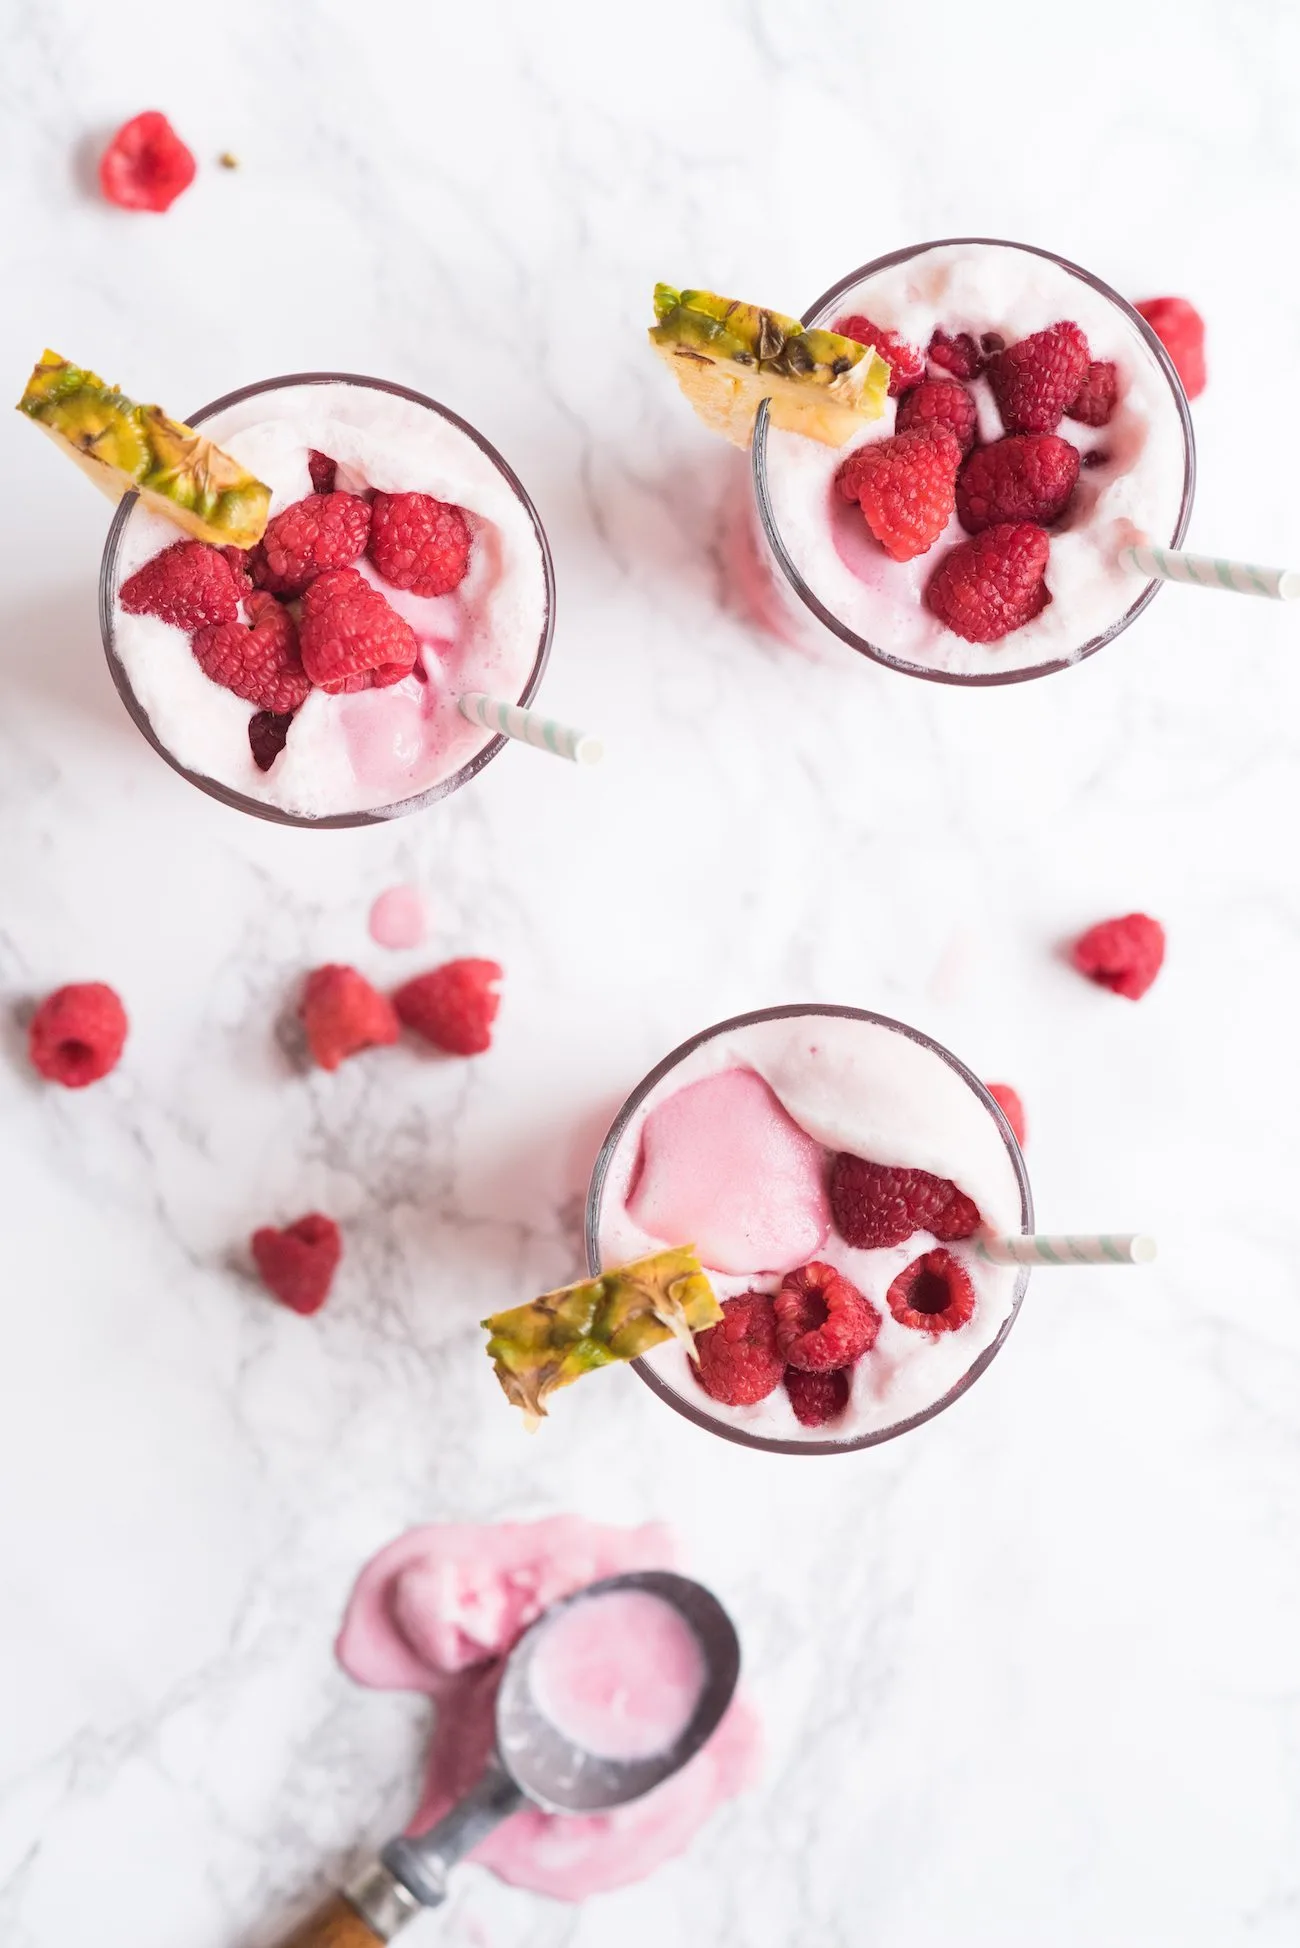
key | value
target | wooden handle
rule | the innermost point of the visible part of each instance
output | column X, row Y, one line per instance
column 336, row 1925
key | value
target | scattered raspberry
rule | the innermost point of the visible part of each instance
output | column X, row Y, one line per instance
column 260, row 662
column 822, row 1321
column 816, row 1398
column 905, row 486
column 1035, row 379
column 268, row 733
column 933, row 1294
column 351, row 637
column 322, row 470
column 906, row 364
column 454, row 1006
column 146, row 165
column 1008, row 1101
column 343, row 1014
column 240, row 569
column 1026, row 477
column 1181, row 330
column 940, row 402
column 1095, row 401
column 322, row 532
column 419, row 543
column 988, row 586
column 959, row 354
column 297, row 1265
column 738, row 1360
column 874, row 1204
column 1122, row 955
column 77, row 1034
column 189, row 584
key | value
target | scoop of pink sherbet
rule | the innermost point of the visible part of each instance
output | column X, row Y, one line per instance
column 725, row 1168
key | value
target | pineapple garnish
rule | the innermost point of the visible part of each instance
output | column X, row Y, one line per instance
column 122, row 445
column 729, row 357
column 625, row 1312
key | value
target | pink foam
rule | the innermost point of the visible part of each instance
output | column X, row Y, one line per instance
column 399, row 918
column 619, row 1675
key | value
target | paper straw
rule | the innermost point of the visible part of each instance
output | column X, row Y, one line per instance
column 530, row 727
column 1208, row 571
column 1042, row 1249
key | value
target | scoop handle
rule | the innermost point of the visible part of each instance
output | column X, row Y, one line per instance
column 336, row 1925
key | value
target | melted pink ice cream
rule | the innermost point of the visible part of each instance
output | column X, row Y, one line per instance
column 724, row 1167
column 437, row 1610
column 620, row 1676
column 399, row 918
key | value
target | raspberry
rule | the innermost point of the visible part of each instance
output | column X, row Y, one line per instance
column 1026, row 477
column 905, row 487
column 454, row 1006
column 738, row 1360
column 343, row 1014
column 906, row 364
column 241, row 570
column 933, row 1294
column 822, row 1321
column 874, row 1204
column 1035, row 379
column 940, row 402
column 1181, row 330
column 146, row 165
column 77, row 1034
column 322, row 532
column 988, row 586
column 297, row 1265
column 268, row 733
column 350, row 637
column 1095, row 401
column 189, row 585
column 419, row 543
column 260, row 662
column 322, row 470
column 959, row 355
column 816, row 1397
column 1008, row 1101
column 1123, row 955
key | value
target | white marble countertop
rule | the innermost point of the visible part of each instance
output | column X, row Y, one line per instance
column 1029, row 1676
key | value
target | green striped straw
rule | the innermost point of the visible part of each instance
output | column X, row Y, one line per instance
column 530, row 727
column 1208, row 571
column 1101, row 1248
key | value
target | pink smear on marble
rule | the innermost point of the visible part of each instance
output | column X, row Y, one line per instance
column 399, row 918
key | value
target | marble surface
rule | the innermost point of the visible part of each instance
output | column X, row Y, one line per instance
column 1029, row 1675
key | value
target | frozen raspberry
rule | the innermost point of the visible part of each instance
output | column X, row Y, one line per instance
column 322, row 470
column 322, row 532
column 988, row 586
column 1008, row 1101
column 1035, row 379
column 260, row 662
column 933, row 1294
column 189, row 585
column 959, row 354
column 351, row 637
column 297, row 1265
column 454, row 1006
column 940, row 402
column 906, row 364
column 738, row 1360
column 268, row 733
column 817, row 1398
column 1123, row 955
column 343, row 1014
column 419, row 543
column 822, row 1321
column 905, row 487
column 146, row 165
column 1094, row 402
column 241, row 570
column 873, row 1204
column 1026, row 477
column 1181, row 330
column 77, row 1034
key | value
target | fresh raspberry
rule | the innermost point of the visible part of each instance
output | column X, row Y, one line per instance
column 351, row 637
column 1008, row 1101
column 1181, row 330
column 1095, row 400
column 822, row 1321
column 958, row 354
column 240, row 568
column 189, row 584
column 874, row 1204
column 77, row 1034
column 297, row 1265
column 146, row 165
column 419, row 543
column 1026, row 477
column 314, row 535
column 905, row 486
column 268, row 733
column 988, row 586
column 940, row 402
column 906, row 364
column 260, row 662
column 1123, row 955
column 933, row 1294
column 1035, row 379
column 322, row 470
column 738, row 1360
column 454, row 1006
column 816, row 1398
column 343, row 1014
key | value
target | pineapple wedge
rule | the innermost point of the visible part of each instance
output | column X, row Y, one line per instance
column 122, row 445
column 555, row 1339
column 728, row 357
